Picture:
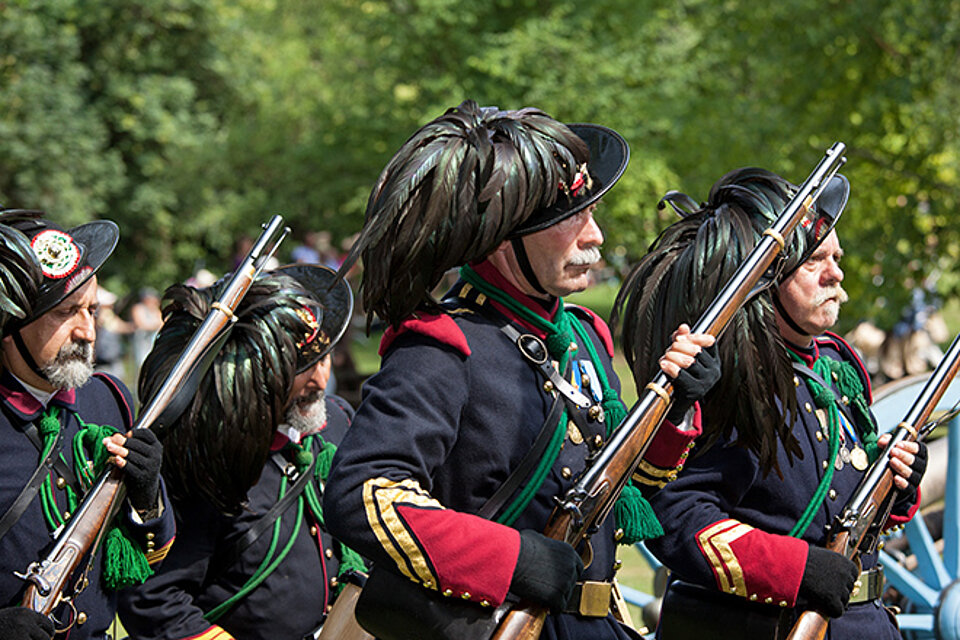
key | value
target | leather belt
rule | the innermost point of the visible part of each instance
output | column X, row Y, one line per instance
column 869, row 586
column 590, row 599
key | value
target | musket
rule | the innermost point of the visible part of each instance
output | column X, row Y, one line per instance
column 50, row 578
column 582, row 510
column 856, row 530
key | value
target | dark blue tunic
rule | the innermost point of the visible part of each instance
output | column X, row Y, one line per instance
column 194, row 579
column 103, row 401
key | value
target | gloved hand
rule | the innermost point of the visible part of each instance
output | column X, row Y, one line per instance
column 19, row 623
column 694, row 381
column 827, row 581
column 143, row 468
column 547, row 570
column 908, row 495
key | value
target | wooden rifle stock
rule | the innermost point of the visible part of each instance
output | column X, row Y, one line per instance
column 582, row 510
column 49, row 578
column 857, row 529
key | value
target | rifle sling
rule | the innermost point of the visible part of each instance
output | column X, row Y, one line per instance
column 238, row 544
column 30, row 490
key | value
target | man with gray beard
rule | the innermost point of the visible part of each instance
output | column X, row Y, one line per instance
column 788, row 430
column 246, row 465
column 60, row 422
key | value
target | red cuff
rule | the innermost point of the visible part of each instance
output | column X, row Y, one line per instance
column 895, row 521
column 669, row 446
column 473, row 558
column 754, row 564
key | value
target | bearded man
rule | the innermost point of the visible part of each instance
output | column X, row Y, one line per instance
column 788, row 431
column 246, row 464
column 55, row 410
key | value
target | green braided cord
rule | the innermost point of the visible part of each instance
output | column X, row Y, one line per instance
column 325, row 459
column 635, row 516
column 124, row 563
column 90, row 438
column 849, row 384
column 265, row 567
column 515, row 508
column 824, row 399
column 49, row 429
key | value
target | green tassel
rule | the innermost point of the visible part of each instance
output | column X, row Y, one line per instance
column 614, row 410
column 325, row 459
column 124, row 563
column 350, row 560
column 49, row 423
column 635, row 517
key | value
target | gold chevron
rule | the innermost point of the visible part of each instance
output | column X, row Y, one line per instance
column 715, row 542
column 380, row 496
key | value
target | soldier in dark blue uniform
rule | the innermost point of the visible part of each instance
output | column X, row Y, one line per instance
column 54, row 410
column 489, row 402
column 246, row 464
column 788, row 432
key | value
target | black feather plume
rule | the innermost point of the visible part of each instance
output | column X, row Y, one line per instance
column 452, row 194
column 220, row 443
column 686, row 267
column 20, row 276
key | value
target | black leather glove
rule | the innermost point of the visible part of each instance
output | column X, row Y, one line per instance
column 19, row 623
column 547, row 570
column 906, row 497
column 827, row 581
column 692, row 383
column 143, row 469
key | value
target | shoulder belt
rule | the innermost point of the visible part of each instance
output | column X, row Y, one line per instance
column 241, row 542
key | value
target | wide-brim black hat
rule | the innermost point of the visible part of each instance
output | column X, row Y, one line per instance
column 336, row 300
column 68, row 258
column 821, row 219
column 609, row 154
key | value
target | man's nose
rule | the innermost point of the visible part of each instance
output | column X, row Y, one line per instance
column 591, row 235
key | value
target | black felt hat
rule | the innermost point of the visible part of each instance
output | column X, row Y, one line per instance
column 68, row 258
column 822, row 218
column 330, row 321
column 609, row 154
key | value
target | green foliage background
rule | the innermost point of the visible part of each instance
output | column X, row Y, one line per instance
column 189, row 122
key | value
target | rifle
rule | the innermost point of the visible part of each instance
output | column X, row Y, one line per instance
column 48, row 578
column 856, row 530
column 579, row 514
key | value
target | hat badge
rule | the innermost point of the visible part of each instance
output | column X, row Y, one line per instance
column 57, row 253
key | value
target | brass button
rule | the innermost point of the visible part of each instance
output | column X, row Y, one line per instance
column 832, row 494
column 617, row 564
column 150, row 545
column 328, row 553
column 66, row 515
column 598, row 441
column 833, row 374
column 334, row 582
column 465, row 595
column 61, row 483
column 783, row 603
column 595, row 412
column 548, row 386
column 796, row 381
column 484, row 603
column 819, row 435
column 428, row 584
column 81, row 617
column 585, row 380
column 313, row 530
column 618, row 534
column 151, row 535
column 845, row 400
column 807, row 407
column 448, row 592
column 566, row 473
column 573, row 346
column 768, row 600
column 825, row 465
column 753, row 597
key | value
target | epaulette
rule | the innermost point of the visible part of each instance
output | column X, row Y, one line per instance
column 603, row 331
column 440, row 327
column 851, row 355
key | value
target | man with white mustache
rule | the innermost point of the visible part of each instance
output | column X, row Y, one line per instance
column 788, row 430
column 490, row 403
column 55, row 410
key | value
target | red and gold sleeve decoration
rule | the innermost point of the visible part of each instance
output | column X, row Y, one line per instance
column 457, row 554
column 213, row 633
column 668, row 452
column 753, row 564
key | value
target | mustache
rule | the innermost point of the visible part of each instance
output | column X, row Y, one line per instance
column 827, row 293
column 586, row 257
column 80, row 350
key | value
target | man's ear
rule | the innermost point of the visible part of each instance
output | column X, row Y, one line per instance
column 504, row 247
